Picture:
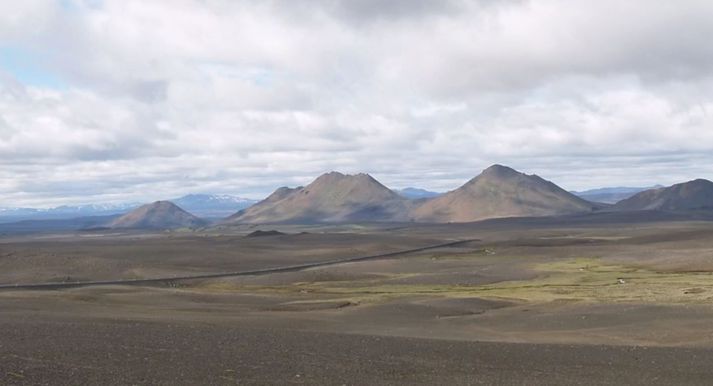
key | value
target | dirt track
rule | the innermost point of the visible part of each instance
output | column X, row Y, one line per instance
column 264, row 271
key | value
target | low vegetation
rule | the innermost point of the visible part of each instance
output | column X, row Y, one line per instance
column 576, row 279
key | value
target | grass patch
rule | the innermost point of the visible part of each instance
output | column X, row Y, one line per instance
column 579, row 279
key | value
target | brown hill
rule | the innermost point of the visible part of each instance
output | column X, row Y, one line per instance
column 692, row 195
column 501, row 192
column 159, row 215
column 333, row 197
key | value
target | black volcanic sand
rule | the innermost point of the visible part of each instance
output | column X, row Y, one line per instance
column 530, row 301
column 70, row 352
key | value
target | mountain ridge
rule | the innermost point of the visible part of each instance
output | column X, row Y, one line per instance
column 498, row 191
column 692, row 195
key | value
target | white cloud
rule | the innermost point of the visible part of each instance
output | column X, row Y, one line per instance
column 164, row 98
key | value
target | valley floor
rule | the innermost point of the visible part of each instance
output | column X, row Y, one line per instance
column 550, row 301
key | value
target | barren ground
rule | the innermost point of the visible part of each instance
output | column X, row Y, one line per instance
column 528, row 302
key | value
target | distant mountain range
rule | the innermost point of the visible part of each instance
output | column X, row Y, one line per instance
column 334, row 197
column 201, row 205
column 497, row 192
column 416, row 193
column 213, row 205
column 611, row 195
column 64, row 212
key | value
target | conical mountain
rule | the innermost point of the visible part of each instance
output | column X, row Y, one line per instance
column 500, row 191
column 158, row 215
column 332, row 197
column 687, row 196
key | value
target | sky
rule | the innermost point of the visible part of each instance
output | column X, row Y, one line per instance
column 138, row 100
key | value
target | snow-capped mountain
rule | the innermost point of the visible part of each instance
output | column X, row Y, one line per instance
column 213, row 205
column 64, row 211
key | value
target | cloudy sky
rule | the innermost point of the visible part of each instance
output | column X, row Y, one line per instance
column 111, row 101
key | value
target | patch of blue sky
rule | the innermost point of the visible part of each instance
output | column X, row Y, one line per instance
column 28, row 68
column 77, row 5
column 68, row 5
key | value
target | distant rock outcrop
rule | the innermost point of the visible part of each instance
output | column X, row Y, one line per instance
column 159, row 215
column 500, row 191
column 261, row 233
column 333, row 197
column 687, row 196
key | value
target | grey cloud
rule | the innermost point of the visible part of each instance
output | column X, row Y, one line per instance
column 389, row 11
column 244, row 96
column 151, row 91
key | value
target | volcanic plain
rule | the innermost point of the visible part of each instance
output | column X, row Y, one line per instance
column 618, row 298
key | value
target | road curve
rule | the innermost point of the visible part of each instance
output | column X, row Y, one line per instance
column 263, row 271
